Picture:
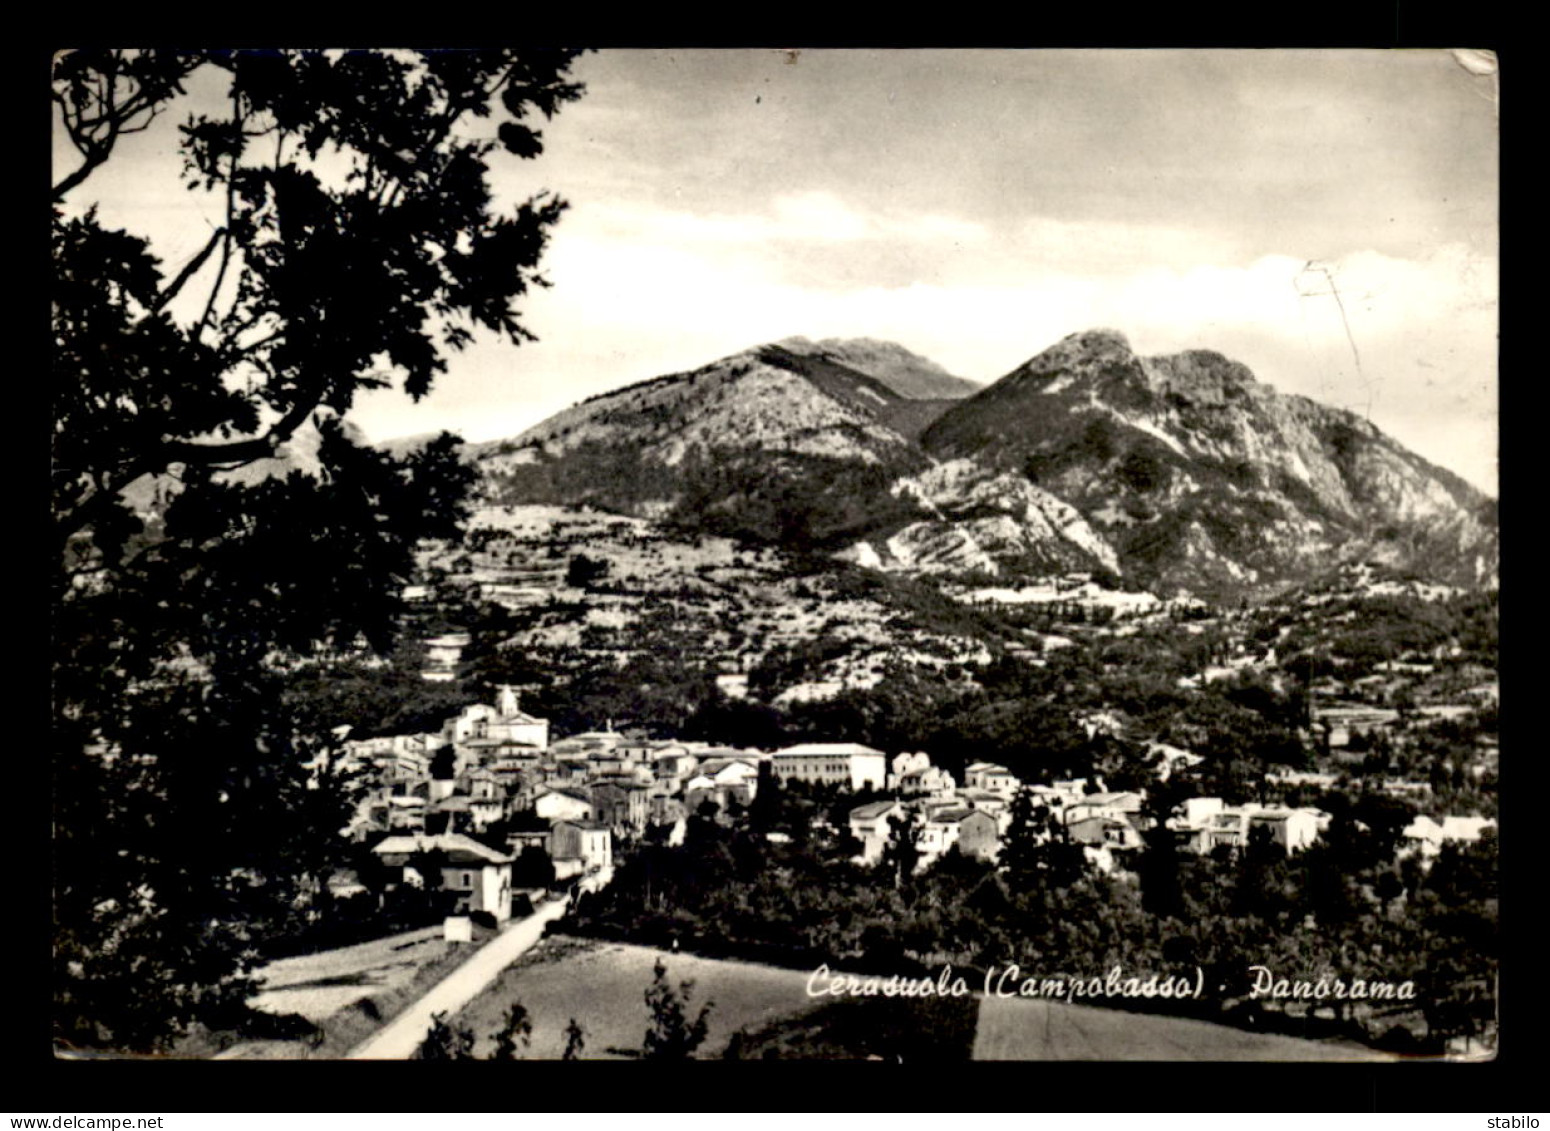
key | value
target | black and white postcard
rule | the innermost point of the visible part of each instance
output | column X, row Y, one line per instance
column 905, row 555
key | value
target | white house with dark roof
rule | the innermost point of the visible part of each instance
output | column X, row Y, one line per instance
column 1292, row 829
column 589, row 842
column 479, row 875
column 870, row 825
column 992, row 778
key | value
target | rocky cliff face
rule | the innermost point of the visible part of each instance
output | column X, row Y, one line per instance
column 972, row 519
column 1205, row 479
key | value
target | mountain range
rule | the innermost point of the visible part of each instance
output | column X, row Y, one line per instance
column 1181, row 473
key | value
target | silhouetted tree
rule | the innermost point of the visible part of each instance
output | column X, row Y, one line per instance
column 517, row 1028
column 575, row 1041
column 1020, row 849
column 672, row 1035
column 355, row 244
column 901, row 852
column 443, row 1042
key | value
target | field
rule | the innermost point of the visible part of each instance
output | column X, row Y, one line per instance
column 603, row 986
column 1033, row 1029
column 348, row 993
column 767, row 1013
column 317, row 985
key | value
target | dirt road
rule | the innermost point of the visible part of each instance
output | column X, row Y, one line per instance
column 403, row 1035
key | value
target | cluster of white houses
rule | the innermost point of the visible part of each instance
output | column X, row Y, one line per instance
column 493, row 769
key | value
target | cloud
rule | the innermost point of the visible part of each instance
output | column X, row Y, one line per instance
column 642, row 291
column 806, row 217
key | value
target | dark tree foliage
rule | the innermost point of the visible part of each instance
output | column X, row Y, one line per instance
column 901, row 852
column 673, row 1036
column 443, row 1042
column 516, row 1030
column 357, row 244
column 443, row 765
column 1020, row 850
column 533, row 868
column 575, row 1041
column 584, row 571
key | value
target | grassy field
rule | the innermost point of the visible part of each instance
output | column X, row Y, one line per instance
column 603, row 986
column 765, row 1013
column 926, row 1030
column 351, row 992
column 318, row 985
column 760, row 1011
column 1033, row 1029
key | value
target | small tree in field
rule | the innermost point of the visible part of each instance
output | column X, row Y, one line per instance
column 575, row 1041
column 518, row 1027
column 443, row 1042
column 672, row 1035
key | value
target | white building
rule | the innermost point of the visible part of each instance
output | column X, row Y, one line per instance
column 1426, row 836
column 991, row 778
column 832, row 763
column 587, row 841
column 480, row 875
column 870, row 825
column 484, row 733
column 562, row 804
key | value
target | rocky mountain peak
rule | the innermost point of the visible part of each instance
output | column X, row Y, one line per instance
column 1077, row 359
column 905, row 372
column 1202, row 375
column 1181, row 472
column 1205, row 478
column 1097, row 342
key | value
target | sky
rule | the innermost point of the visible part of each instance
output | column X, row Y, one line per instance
column 1329, row 218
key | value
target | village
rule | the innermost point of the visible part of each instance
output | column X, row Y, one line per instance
column 508, row 811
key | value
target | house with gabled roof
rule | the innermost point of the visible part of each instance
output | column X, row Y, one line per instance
column 1115, row 805
column 589, row 843
column 674, row 765
column 974, row 831
column 870, row 825
column 992, row 778
column 479, row 874
column 620, row 803
column 927, row 781
column 559, row 802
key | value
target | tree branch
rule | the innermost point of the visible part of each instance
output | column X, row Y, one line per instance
column 231, row 204
column 230, row 454
column 112, row 117
column 188, row 272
